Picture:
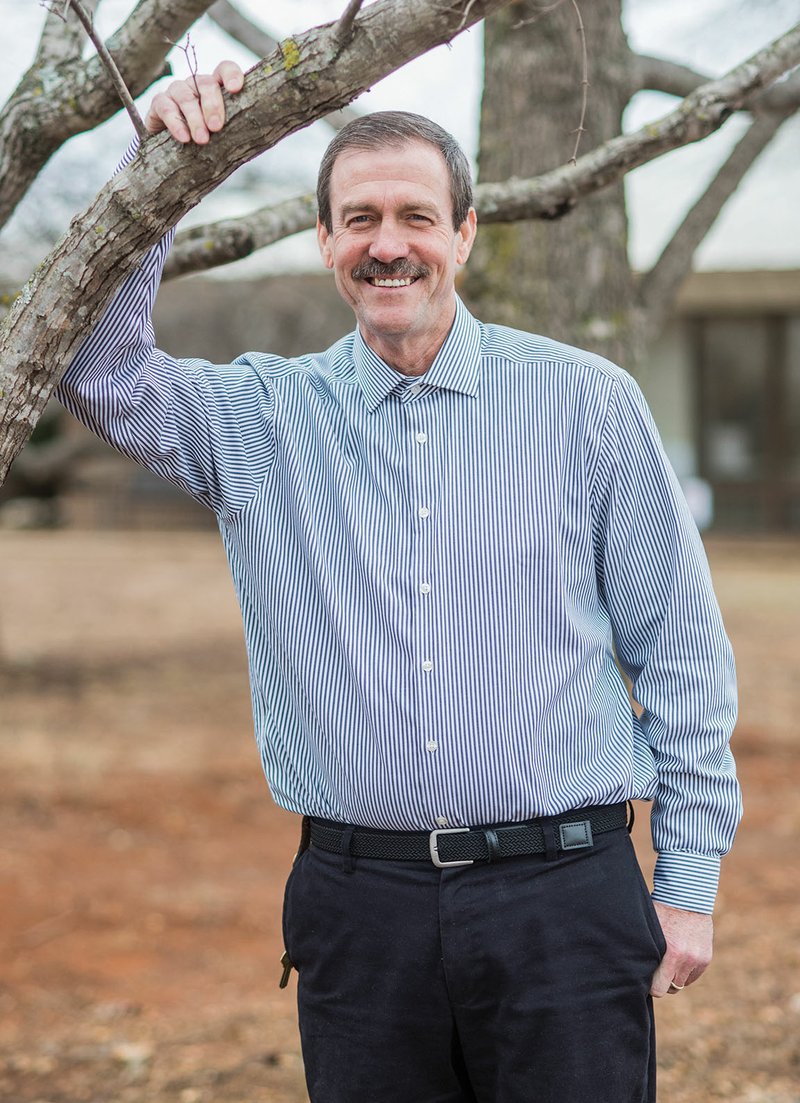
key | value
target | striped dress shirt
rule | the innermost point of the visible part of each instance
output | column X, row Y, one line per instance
column 435, row 575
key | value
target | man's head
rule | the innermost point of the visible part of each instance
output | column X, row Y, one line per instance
column 395, row 222
column 385, row 129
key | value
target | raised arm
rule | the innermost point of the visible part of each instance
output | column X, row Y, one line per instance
column 175, row 417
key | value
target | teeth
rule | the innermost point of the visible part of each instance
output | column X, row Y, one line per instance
column 392, row 283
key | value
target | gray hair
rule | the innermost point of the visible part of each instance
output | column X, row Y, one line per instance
column 396, row 128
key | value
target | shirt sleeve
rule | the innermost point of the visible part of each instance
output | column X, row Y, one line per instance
column 207, row 428
column 670, row 641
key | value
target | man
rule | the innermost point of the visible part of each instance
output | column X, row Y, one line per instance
column 441, row 534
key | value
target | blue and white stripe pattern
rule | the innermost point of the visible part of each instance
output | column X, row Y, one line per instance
column 432, row 574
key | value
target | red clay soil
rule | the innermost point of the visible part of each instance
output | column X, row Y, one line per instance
column 142, row 861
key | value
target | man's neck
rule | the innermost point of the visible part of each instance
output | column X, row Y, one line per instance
column 408, row 355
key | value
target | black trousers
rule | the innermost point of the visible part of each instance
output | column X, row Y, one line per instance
column 520, row 981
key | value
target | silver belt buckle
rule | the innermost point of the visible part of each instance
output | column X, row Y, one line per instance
column 433, row 842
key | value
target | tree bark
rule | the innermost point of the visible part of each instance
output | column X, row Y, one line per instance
column 311, row 75
column 242, row 30
column 570, row 279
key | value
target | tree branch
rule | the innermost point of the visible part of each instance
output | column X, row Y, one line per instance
column 311, row 76
column 55, row 101
column 659, row 75
column 241, row 29
column 258, row 42
column 218, row 243
column 698, row 115
column 344, row 28
column 547, row 197
column 660, row 285
column 62, row 38
column 110, row 66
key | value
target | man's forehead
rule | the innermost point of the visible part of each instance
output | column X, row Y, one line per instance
column 413, row 164
column 413, row 157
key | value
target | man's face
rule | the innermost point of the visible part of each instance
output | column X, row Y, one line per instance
column 393, row 248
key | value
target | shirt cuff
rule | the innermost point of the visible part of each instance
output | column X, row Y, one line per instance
column 685, row 880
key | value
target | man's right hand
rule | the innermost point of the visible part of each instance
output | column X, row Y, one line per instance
column 191, row 110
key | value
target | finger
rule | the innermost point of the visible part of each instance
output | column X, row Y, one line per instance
column 164, row 114
column 663, row 976
column 211, row 105
column 230, row 76
column 695, row 974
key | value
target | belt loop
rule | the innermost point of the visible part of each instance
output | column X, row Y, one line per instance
column 551, row 838
column 492, row 844
column 347, row 842
column 631, row 816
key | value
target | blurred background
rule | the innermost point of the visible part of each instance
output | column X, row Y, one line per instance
column 142, row 860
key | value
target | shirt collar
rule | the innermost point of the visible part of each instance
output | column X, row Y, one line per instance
column 455, row 368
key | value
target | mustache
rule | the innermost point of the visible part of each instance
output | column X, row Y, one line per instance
column 399, row 269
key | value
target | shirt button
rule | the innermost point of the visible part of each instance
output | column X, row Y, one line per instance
column 442, row 821
column 427, row 665
column 424, row 512
column 415, row 389
column 422, row 438
column 431, row 745
column 425, row 588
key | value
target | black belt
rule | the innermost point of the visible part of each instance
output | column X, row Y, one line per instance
column 456, row 846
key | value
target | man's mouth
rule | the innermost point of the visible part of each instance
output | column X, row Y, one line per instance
column 375, row 282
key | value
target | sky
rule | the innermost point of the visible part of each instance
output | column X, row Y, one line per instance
column 759, row 228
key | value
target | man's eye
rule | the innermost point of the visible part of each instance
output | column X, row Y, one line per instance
column 358, row 219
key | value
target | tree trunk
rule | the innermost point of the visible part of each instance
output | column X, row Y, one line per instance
column 570, row 278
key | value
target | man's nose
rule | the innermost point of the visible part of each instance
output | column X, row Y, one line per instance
column 389, row 242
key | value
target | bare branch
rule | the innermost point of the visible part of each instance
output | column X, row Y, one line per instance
column 110, row 66
column 51, row 104
column 700, row 114
column 74, row 284
column 190, row 56
column 62, row 37
column 584, row 83
column 229, row 19
column 259, row 42
column 217, row 243
column 344, row 28
column 660, row 285
column 659, row 75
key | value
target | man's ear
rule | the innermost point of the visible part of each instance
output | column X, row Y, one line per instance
column 466, row 236
column 325, row 245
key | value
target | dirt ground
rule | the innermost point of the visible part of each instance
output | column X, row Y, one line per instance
column 142, row 862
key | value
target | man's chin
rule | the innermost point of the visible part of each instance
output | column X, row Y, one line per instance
column 390, row 320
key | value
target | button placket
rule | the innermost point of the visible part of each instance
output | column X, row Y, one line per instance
column 423, row 468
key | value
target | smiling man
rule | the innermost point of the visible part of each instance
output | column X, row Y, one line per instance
column 390, row 229
column 446, row 538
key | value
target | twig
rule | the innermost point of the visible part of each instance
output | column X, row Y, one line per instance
column 539, row 15
column 191, row 62
column 109, row 64
column 580, row 129
column 467, row 10
column 344, row 28
column 584, row 84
